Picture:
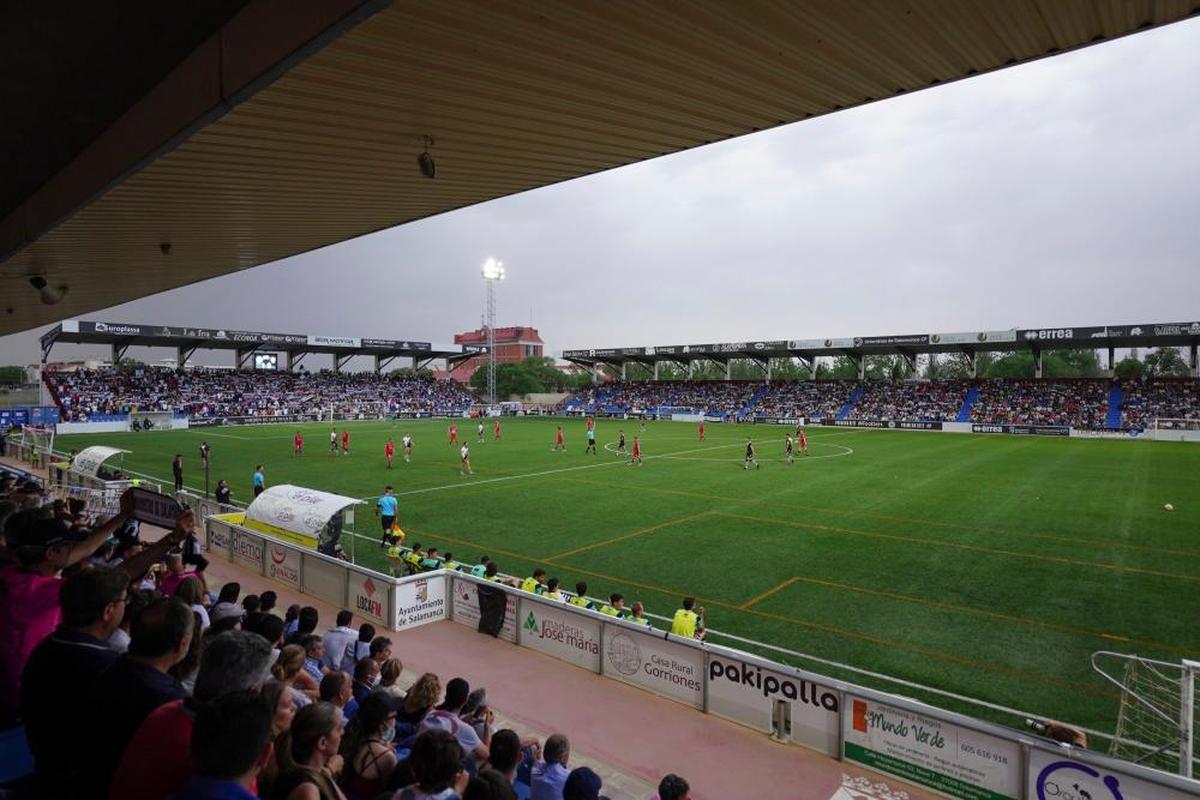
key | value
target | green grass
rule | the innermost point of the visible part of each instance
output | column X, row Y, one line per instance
column 988, row 566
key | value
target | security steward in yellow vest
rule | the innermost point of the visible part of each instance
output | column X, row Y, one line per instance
column 689, row 623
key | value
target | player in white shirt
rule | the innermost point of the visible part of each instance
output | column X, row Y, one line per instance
column 407, row 448
column 465, row 454
column 333, row 442
column 480, row 432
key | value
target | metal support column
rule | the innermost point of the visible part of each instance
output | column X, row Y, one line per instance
column 729, row 370
column 861, row 363
column 624, row 372
column 1195, row 363
column 656, row 368
column 1112, row 364
column 812, row 369
column 595, row 373
column 768, row 370
column 1037, row 363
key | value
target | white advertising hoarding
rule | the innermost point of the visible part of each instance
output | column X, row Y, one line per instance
column 417, row 601
column 747, row 693
column 950, row 759
column 649, row 661
column 567, row 636
column 248, row 550
column 466, row 609
column 368, row 597
column 220, row 538
column 1054, row 776
column 283, row 564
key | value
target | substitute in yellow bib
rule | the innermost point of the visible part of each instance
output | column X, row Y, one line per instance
column 535, row 584
column 689, row 620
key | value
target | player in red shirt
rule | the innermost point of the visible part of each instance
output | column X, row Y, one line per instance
column 298, row 445
column 803, row 442
column 591, row 423
column 389, row 450
column 702, row 430
column 496, row 429
column 636, row 456
column 453, row 435
column 558, row 439
column 346, row 443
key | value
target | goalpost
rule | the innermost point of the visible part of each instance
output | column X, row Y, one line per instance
column 1156, row 720
column 35, row 444
column 1174, row 429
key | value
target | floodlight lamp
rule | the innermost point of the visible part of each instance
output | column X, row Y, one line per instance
column 493, row 270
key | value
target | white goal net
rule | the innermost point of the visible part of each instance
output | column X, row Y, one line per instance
column 35, row 443
column 1174, row 429
column 1156, row 721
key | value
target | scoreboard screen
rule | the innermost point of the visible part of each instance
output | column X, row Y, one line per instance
column 266, row 361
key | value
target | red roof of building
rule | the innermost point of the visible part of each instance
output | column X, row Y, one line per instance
column 516, row 333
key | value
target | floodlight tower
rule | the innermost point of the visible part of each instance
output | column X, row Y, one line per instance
column 493, row 271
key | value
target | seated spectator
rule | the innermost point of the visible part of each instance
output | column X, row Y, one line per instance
column 230, row 743
column 380, row 650
column 267, row 601
column 366, row 676
column 288, row 669
column 489, row 785
column 291, row 621
column 250, row 605
column 583, row 784
column 336, row 639
column 315, row 737
column 136, row 601
column 227, row 603
column 74, row 655
column 389, row 673
column 307, row 619
column 366, row 749
column 314, row 651
column 358, row 649
column 673, row 787
column 638, row 614
column 175, row 574
column 446, row 718
column 550, row 774
column 504, row 753
column 422, row 697
column 156, row 764
column 191, row 591
column 436, row 762
column 185, row 671
column 138, row 683
column 268, row 626
column 337, row 688
column 278, row 698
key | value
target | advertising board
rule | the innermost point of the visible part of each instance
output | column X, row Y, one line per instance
column 220, row 539
column 1053, row 776
column 956, row 761
column 417, row 601
column 247, row 550
column 653, row 663
column 559, row 633
column 888, row 424
column 745, row 692
column 466, row 609
column 283, row 564
column 368, row 597
column 1020, row 430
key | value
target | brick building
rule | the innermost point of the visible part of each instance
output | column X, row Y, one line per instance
column 512, row 344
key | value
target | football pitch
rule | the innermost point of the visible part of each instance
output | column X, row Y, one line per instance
column 986, row 566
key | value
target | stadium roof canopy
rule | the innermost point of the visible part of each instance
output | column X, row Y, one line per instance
column 1152, row 334
column 258, row 129
column 186, row 340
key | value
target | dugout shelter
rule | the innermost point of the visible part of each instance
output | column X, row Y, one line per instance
column 307, row 517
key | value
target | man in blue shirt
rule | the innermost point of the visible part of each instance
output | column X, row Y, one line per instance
column 385, row 509
column 550, row 775
column 260, row 481
column 230, row 744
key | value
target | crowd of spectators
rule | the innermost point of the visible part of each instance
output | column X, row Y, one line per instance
column 718, row 398
column 1171, row 398
column 169, row 690
column 795, row 399
column 924, row 401
column 1075, row 403
column 206, row 393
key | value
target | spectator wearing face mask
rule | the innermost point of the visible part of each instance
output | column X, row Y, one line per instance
column 366, row 678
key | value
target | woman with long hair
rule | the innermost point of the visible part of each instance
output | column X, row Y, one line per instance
column 422, row 697
column 315, row 737
column 367, row 748
column 278, row 697
column 289, row 668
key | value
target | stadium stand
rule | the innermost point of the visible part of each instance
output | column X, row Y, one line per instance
column 919, row 401
column 201, row 394
column 1077, row 403
column 1142, row 401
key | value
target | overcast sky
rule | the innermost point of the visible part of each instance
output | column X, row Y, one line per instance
column 1062, row 192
